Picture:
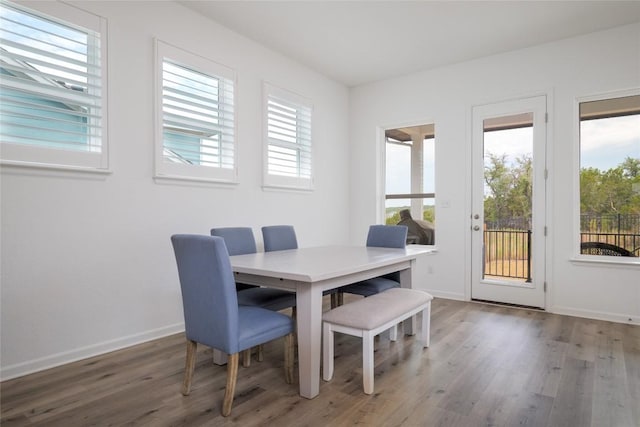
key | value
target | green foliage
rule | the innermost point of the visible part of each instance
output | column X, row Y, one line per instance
column 429, row 214
column 601, row 192
column 509, row 188
column 611, row 191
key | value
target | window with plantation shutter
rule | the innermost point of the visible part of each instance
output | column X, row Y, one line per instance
column 52, row 86
column 288, row 154
column 195, row 117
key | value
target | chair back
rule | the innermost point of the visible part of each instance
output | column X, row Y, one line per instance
column 239, row 240
column 387, row 236
column 279, row 238
column 208, row 290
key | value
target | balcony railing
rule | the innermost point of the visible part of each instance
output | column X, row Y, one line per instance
column 507, row 252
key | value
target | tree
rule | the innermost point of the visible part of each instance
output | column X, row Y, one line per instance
column 509, row 189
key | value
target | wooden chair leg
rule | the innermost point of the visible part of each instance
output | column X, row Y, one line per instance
column 260, row 353
column 288, row 358
column 232, row 376
column 246, row 358
column 190, row 364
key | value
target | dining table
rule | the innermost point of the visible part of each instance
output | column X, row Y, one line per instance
column 309, row 272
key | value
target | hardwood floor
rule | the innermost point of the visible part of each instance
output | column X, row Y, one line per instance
column 487, row 366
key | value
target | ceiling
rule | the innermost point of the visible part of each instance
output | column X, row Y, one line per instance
column 357, row 42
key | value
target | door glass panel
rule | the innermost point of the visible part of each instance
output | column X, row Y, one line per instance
column 508, row 192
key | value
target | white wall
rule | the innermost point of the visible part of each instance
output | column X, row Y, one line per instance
column 87, row 264
column 564, row 70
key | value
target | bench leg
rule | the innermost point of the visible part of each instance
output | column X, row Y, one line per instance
column 367, row 362
column 327, row 352
column 426, row 325
column 393, row 332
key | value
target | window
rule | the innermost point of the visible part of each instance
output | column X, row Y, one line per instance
column 410, row 179
column 53, row 91
column 195, row 131
column 288, row 157
column 610, row 176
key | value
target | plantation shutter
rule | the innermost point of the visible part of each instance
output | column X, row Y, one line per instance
column 288, row 136
column 195, row 116
column 52, row 85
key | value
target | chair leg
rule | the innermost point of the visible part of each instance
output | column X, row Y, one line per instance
column 337, row 299
column 367, row 362
column 232, row 376
column 327, row 352
column 246, row 358
column 190, row 364
column 288, row 358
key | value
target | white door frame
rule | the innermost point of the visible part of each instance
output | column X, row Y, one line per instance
column 528, row 295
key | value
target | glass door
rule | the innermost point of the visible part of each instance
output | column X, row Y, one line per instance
column 508, row 218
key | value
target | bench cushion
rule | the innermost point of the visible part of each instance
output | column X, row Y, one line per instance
column 371, row 312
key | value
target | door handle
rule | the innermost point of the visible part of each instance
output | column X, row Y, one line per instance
column 476, row 216
column 476, row 227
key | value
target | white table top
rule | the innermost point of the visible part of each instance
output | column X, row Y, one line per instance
column 324, row 262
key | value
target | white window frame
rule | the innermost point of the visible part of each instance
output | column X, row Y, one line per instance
column 273, row 181
column 578, row 257
column 13, row 154
column 416, row 196
column 175, row 170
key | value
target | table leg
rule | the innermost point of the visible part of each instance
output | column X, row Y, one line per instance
column 410, row 325
column 309, row 324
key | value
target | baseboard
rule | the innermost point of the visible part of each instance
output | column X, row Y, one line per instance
column 446, row 295
column 40, row 364
column 629, row 319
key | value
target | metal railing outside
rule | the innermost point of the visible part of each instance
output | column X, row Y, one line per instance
column 507, row 254
column 507, row 249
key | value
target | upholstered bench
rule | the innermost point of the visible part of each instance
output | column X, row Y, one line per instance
column 366, row 318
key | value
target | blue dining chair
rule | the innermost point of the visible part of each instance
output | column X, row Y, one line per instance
column 212, row 315
column 279, row 238
column 382, row 236
column 240, row 241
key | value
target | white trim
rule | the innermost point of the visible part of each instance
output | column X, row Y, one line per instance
column 33, row 156
column 577, row 256
column 58, row 359
column 597, row 315
column 381, row 162
column 189, row 172
column 525, row 295
column 605, row 260
column 278, row 182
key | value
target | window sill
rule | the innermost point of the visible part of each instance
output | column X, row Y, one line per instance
column 193, row 181
column 32, row 168
column 608, row 261
column 284, row 188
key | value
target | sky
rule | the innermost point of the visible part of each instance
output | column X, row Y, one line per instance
column 605, row 143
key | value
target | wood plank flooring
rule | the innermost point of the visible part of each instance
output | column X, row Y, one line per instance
column 487, row 366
